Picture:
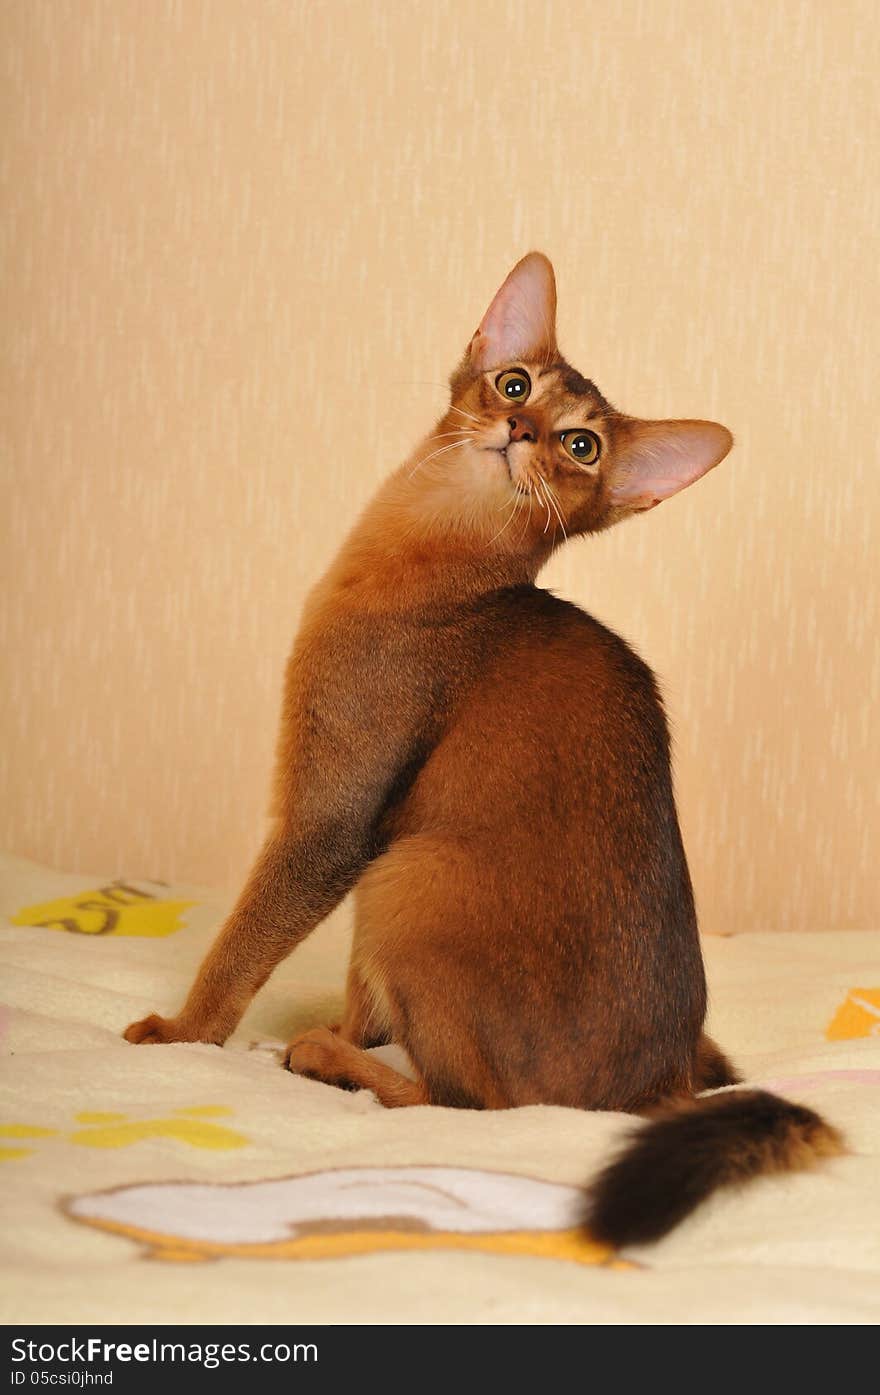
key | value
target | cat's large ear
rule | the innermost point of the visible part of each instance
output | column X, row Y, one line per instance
column 655, row 459
column 520, row 324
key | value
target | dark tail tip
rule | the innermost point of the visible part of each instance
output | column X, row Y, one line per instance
column 675, row 1162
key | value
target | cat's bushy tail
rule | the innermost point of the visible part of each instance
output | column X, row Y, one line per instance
column 675, row 1161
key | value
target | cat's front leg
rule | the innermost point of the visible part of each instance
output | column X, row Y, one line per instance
column 292, row 887
column 153, row 1029
column 351, row 728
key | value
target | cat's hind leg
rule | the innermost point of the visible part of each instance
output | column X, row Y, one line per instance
column 323, row 1055
column 414, row 959
column 363, row 1022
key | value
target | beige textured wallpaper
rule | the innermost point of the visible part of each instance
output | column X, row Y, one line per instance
column 243, row 243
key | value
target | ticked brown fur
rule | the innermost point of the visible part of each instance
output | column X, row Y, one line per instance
column 487, row 766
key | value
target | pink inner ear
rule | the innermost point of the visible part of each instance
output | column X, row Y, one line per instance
column 520, row 324
column 658, row 458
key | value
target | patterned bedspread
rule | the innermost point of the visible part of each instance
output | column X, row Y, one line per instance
column 186, row 1183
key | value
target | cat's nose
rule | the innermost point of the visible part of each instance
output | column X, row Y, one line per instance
column 522, row 429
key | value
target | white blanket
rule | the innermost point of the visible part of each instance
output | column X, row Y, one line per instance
column 189, row 1183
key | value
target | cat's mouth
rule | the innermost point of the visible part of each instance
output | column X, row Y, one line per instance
column 502, row 451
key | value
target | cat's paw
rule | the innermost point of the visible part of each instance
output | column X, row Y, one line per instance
column 310, row 1050
column 320, row 1055
column 153, row 1029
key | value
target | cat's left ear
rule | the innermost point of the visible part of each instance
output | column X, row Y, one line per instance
column 655, row 459
column 520, row 324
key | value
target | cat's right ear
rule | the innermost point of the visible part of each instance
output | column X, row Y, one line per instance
column 655, row 459
column 520, row 324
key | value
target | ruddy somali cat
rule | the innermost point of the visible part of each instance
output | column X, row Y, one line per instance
column 488, row 767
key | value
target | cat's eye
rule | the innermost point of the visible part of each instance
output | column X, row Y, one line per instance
column 515, row 384
column 582, row 446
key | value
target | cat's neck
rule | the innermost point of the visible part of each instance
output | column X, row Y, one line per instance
column 400, row 557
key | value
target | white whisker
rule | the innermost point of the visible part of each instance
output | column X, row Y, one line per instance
column 508, row 503
column 543, row 498
column 508, row 520
column 555, row 502
column 527, row 519
column 456, row 445
column 459, row 431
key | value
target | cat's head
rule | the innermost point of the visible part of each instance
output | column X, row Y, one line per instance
column 530, row 452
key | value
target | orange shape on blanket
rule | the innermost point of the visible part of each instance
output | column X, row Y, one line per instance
column 572, row 1245
column 25, row 1131
column 347, row 1212
column 857, row 1016
column 197, row 1132
column 116, row 909
column 21, row 1131
column 107, row 1129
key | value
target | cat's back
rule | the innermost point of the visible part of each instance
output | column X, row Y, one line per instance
column 556, row 653
column 556, row 722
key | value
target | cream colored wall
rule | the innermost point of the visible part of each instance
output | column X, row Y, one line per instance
column 245, row 241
